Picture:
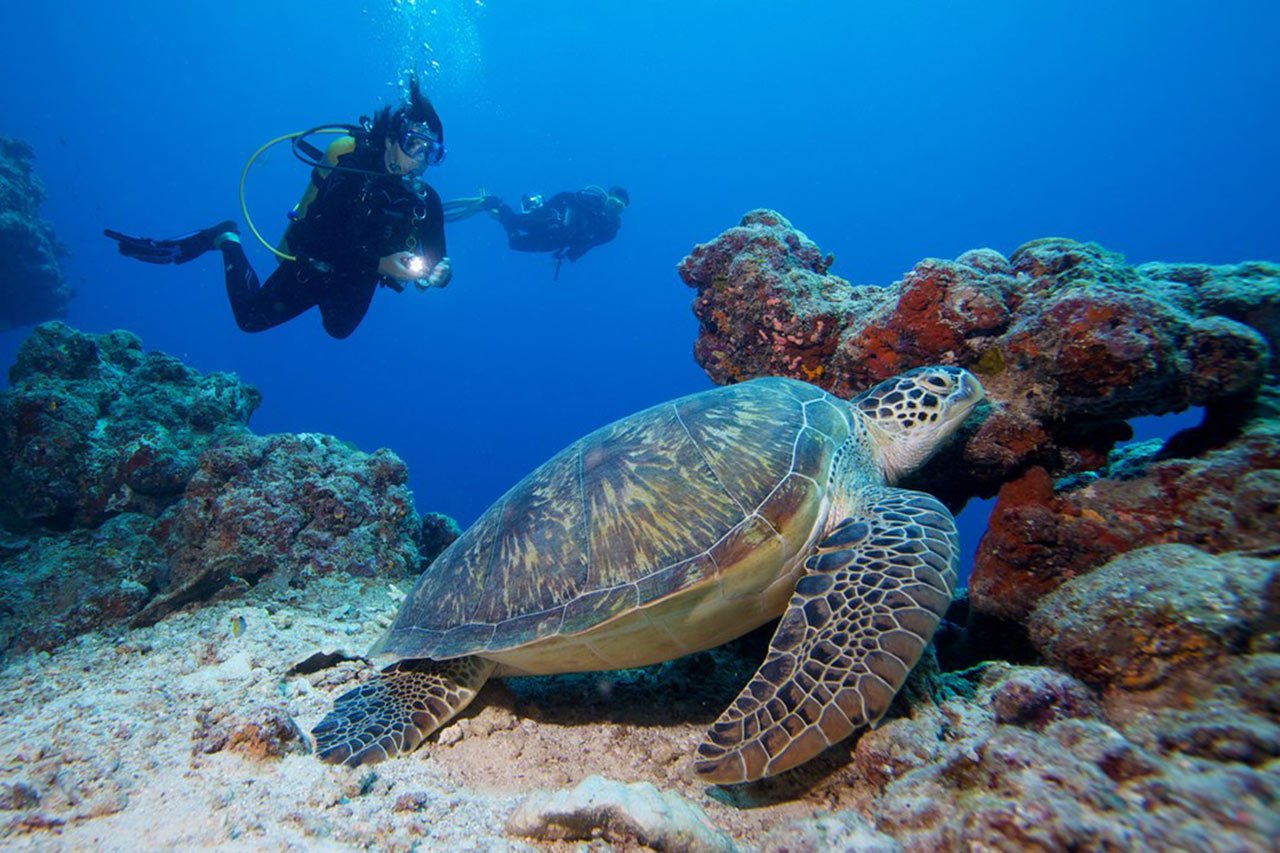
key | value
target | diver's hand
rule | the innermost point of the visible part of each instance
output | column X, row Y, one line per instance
column 402, row 266
column 440, row 276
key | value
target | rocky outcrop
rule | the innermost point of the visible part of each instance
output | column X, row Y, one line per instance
column 1152, row 613
column 92, row 426
column 1041, row 533
column 55, row 586
column 1032, row 761
column 131, row 486
column 1145, row 577
column 285, row 508
column 32, row 286
column 1070, row 343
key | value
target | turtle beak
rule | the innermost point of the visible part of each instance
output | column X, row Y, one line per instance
column 971, row 388
column 964, row 399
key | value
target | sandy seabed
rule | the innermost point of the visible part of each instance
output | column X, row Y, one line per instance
column 180, row 735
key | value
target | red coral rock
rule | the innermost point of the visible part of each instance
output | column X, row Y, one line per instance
column 940, row 307
column 1034, row 542
column 1037, row 538
column 1060, row 333
column 764, row 261
column 1070, row 342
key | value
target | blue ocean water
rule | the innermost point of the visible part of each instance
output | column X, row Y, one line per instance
column 887, row 132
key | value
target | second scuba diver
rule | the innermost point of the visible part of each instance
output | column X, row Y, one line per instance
column 367, row 218
column 567, row 225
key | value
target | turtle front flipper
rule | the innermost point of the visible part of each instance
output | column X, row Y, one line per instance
column 392, row 713
column 872, row 595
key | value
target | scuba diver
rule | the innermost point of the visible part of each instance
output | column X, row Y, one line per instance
column 366, row 218
column 567, row 225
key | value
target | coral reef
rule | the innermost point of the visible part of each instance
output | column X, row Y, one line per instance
column 438, row 533
column 1070, row 343
column 1070, row 339
column 999, row 773
column 92, row 426
column 1147, row 576
column 57, row 586
column 130, row 486
column 32, row 287
column 1141, row 581
column 1042, row 533
column 287, row 508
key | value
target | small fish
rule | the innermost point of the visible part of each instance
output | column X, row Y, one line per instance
column 237, row 626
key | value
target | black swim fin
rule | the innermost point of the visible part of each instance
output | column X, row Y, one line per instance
column 178, row 250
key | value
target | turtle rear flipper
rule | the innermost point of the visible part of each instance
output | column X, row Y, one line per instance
column 873, row 593
column 393, row 713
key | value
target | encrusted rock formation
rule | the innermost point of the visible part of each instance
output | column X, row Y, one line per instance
column 130, row 486
column 92, row 426
column 1070, row 343
column 1041, row 533
column 32, row 287
column 1033, row 762
column 1148, row 615
column 1145, row 577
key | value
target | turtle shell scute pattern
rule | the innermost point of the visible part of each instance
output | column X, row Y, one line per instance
column 655, row 503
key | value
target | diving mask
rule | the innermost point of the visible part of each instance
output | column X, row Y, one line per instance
column 422, row 145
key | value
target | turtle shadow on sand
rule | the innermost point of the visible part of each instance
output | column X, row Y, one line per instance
column 692, row 689
column 790, row 785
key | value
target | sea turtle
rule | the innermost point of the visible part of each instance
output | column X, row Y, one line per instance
column 680, row 528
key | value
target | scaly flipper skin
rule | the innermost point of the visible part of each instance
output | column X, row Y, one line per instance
column 872, row 595
column 394, row 712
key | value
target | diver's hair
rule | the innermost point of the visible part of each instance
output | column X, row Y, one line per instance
column 622, row 194
column 388, row 121
column 420, row 110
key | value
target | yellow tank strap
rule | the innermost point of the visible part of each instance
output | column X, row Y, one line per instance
column 340, row 147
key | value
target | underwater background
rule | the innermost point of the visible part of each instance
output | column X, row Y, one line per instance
column 186, row 604
column 886, row 132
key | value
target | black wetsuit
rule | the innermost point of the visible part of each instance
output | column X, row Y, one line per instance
column 567, row 224
column 354, row 221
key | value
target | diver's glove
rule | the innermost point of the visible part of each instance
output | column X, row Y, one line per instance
column 177, row 250
column 440, row 276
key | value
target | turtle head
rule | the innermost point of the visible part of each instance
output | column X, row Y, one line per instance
column 912, row 414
